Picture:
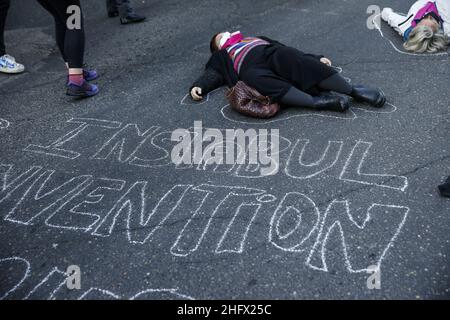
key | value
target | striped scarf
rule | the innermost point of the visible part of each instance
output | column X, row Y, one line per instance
column 239, row 51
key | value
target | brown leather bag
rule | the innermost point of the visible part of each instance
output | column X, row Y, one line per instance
column 249, row 101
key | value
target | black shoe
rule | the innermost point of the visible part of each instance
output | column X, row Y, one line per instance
column 82, row 91
column 444, row 189
column 132, row 18
column 331, row 103
column 374, row 97
column 113, row 14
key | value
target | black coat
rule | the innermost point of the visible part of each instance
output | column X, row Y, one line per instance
column 219, row 69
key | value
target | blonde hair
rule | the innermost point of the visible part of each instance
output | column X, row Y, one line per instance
column 423, row 39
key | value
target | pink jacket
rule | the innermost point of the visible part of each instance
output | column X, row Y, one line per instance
column 404, row 23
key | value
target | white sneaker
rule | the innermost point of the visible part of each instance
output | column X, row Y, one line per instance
column 385, row 13
column 9, row 65
column 10, row 58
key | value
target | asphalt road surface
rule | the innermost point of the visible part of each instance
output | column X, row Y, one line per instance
column 90, row 183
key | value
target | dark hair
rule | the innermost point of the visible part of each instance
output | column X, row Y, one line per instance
column 212, row 44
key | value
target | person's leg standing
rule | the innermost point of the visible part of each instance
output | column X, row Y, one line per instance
column 126, row 12
column 4, row 6
column 74, row 38
column 74, row 47
column 124, row 7
column 60, row 27
column 74, row 41
column 60, row 35
column 444, row 188
column 111, row 8
column 8, row 63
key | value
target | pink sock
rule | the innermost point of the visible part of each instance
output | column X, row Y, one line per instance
column 76, row 79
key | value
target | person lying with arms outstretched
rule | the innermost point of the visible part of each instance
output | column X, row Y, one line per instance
column 284, row 74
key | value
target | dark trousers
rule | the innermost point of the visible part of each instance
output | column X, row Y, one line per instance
column 122, row 6
column 274, row 74
column 70, row 41
column 444, row 188
column 4, row 6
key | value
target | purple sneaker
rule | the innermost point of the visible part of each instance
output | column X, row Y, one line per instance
column 83, row 91
column 90, row 75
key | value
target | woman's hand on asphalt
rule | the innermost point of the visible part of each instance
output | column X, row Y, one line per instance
column 196, row 93
column 326, row 61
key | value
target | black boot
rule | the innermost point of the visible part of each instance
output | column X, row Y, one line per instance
column 132, row 18
column 113, row 13
column 330, row 102
column 444, row 189
column 374, row 97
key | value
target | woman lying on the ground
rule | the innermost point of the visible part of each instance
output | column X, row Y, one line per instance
column 284, row 74
column 425, row 28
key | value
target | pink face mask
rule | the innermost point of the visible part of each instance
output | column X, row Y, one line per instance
column 230, row 40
